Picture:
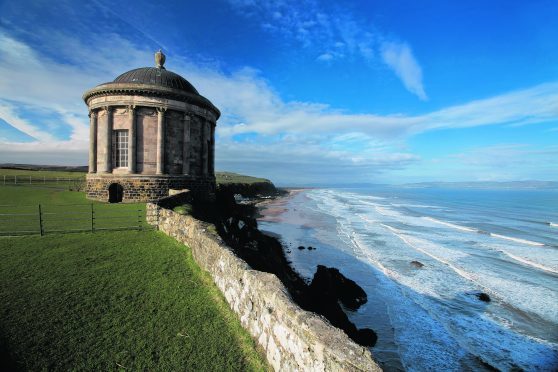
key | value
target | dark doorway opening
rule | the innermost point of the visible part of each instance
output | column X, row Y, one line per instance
column 116, row 193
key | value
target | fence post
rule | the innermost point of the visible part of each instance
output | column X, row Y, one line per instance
column 15, row 180
column 41, row 221
column 92, row 219
column 30, row 180
column 4, row 180
column 44, row 179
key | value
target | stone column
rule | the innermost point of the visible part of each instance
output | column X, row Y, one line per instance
column 108, row 143
column 92, row 141
column 161, row 140
column 212, row 150
column 186, row 146
column 132, row 140
column 205, row 147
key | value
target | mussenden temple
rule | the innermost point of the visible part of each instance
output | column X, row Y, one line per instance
column 150, row 131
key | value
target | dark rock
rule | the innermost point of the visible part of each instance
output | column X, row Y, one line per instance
column 311, row 248
column 330, row 281
column 327, row 289
column 417, row 264
column 366, row 337
column 301, row 247
column 483, row 297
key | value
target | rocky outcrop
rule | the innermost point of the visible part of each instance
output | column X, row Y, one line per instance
column 330, row 282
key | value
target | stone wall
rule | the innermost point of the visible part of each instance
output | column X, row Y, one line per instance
column 292, row 339
column 147, row 188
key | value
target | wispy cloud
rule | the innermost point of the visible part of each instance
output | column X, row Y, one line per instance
column 399, row 57
column 334, row 34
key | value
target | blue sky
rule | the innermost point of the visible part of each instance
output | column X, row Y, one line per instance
column 310, row 91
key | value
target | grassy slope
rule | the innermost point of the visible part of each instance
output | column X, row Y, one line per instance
column 90, row 301
column 97, row 301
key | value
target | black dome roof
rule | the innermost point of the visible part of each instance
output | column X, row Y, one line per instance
column 156, row 76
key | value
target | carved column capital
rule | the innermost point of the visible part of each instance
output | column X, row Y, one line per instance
column 131, row 109
column 92, row 114
column 161, row 109
column 108, row 109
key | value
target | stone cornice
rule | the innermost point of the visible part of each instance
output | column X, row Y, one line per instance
column 112, row 89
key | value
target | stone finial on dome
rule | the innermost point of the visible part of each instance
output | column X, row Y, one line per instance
column 160, row 59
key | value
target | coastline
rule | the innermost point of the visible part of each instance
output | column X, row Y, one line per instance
column 351, row 231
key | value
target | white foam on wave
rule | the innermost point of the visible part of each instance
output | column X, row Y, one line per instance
column 517, row 240
column 530, row 263
column 484, row 337
column 459, row 271
column 494, row 235
column 415, row 206
column 552, row 224
column 458, row 227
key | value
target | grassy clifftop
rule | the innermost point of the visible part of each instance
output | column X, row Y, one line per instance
column 247, row 186
column 224, row 178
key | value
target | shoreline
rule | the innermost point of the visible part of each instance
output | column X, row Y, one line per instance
column 325, row 292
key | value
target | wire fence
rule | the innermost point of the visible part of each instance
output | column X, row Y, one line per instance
column 70, row 183
column 41, row 219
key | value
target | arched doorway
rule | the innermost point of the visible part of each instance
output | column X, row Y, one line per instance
column 116, row 192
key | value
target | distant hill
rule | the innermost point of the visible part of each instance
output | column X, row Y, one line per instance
column 486, row 185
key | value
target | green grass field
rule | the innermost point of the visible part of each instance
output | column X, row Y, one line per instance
column 115, row 300
column 128, row 300
column 61, row 210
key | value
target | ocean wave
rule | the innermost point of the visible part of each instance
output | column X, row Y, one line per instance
column 517, row 240
column 530, row 263
column 494, row 235
column 552, row 224
column 457, row 227
column 482, row 333
column 459, row 271
column 415, row 206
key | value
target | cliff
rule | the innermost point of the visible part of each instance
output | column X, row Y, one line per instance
column 247, row 186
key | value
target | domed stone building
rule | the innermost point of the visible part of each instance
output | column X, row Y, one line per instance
column 150, row 131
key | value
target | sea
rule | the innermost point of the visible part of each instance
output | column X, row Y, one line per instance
column 423, row 256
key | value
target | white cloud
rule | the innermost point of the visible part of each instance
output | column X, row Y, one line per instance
column 399, row 57
column 325, row 57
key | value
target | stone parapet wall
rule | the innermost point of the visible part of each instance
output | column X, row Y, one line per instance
column 147, row 188
column 293, row 339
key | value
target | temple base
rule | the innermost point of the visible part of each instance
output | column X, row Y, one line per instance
column 142, row 188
